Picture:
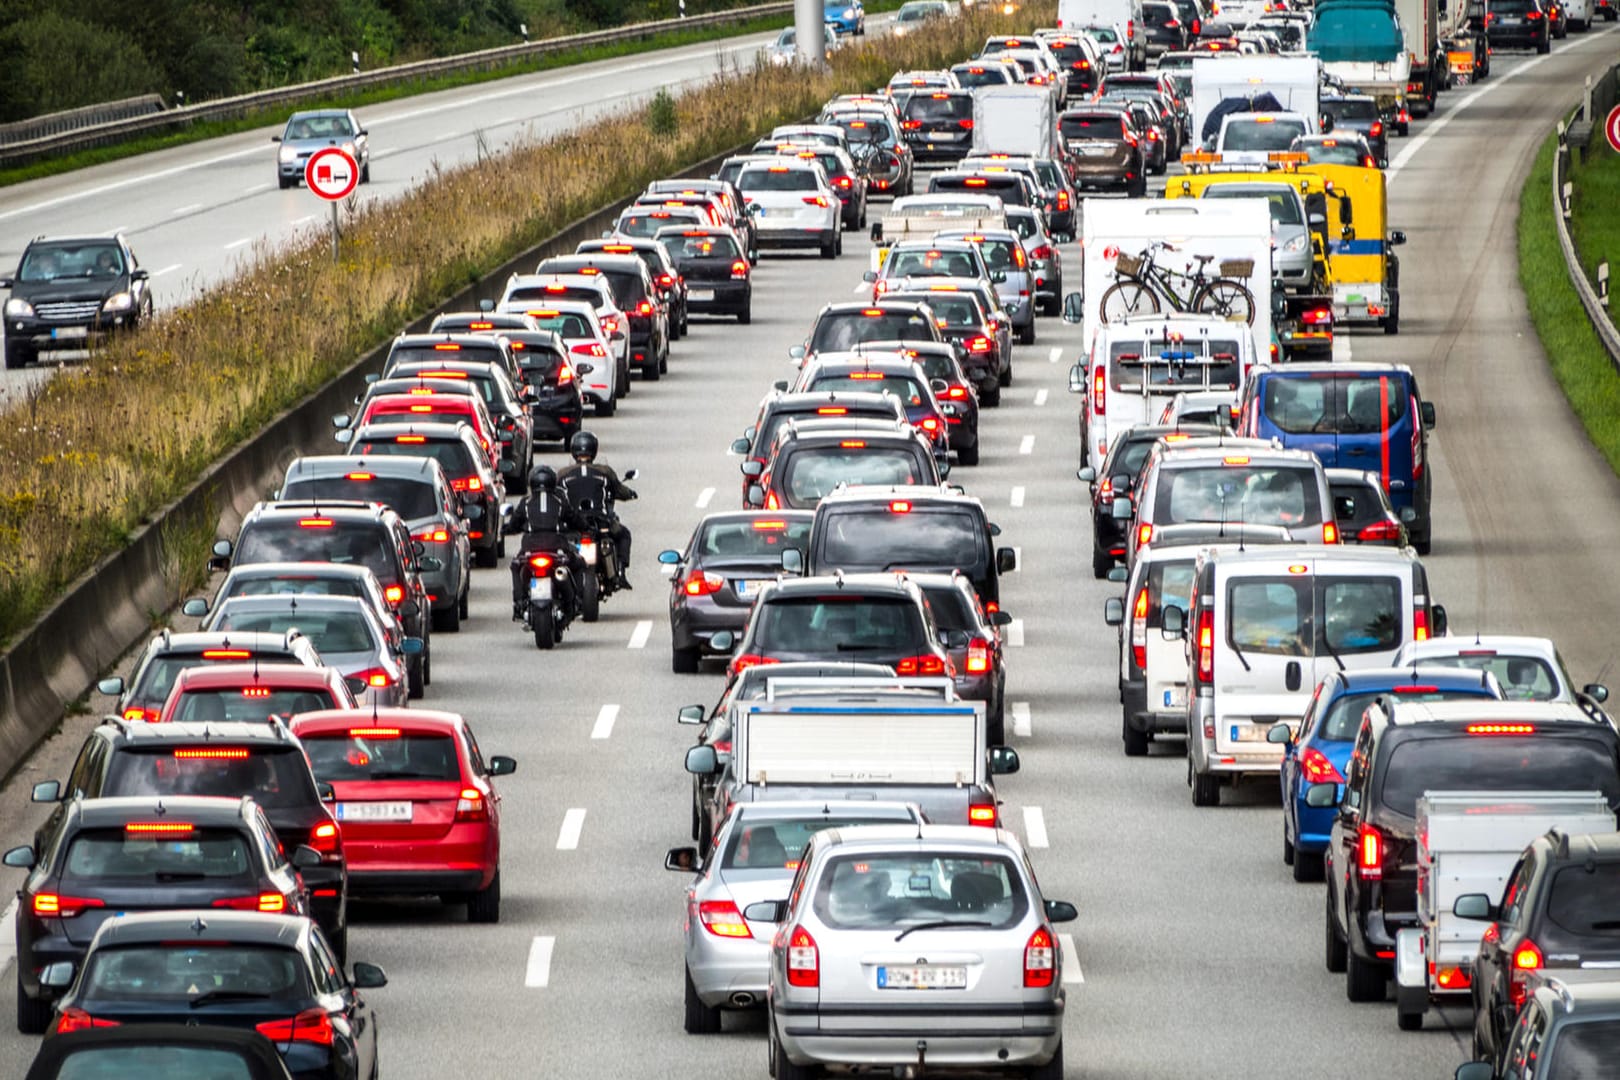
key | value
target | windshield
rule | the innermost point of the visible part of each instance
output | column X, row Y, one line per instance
column 1285, row 208
column 838, row 332
column 291, row 585
column 410, row 498
column 113, row 857
column 383, row 754
column 951, row 610
column 1254, row 494
column 570, row 325
column 954, row 310
column 1462, row 762
column 864, row 129
column 1270, row 133
column 275, row 778
column 157, row 678
column 814, row 471
column 1338, row 404
column 54, row 262
column 840, row 623
column 1523, row 678
column 892, row 891
column 331, row 631
column 756, row 538
column 887, row 540
column 175, row 974
column 350, row 545
column 318, row 127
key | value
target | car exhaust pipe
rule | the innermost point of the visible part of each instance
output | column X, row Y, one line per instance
column 742, row 999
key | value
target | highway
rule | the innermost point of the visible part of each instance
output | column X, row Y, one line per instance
column 1195, row 953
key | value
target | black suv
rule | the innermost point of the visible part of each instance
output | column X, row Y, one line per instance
column 99, row 859
column 68, row 293
column 1116, row 480
column 347, row 533
column 938, row 124
column 712, row 262
column 1557, row 914
column 169, row 653
column 635, row 294
column 1518, row 24
column 1405, row 749
column 456, row 449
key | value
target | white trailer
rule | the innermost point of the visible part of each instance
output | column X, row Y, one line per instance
column 1017, row 120
column 1468, row 842
column 1295, row 81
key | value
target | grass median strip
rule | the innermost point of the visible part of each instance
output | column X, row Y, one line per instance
column 1576, row 356
column 96, row 451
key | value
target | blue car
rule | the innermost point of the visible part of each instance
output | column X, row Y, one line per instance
column 1320, row 753
column 844, row 18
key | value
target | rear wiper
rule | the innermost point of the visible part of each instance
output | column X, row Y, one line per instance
column 1241, row 658
column 169, row 877
column 842, row 647
column 1331, row 651
column 228, row 995
column 943, row 924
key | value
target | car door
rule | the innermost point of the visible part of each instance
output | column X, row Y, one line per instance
column 1495, row 952
column 1341, row 850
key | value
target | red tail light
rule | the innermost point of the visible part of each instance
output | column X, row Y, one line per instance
column 471, row 805
column 929, row 424
column 1330, row 533
column 1370, row 853
column 394, row 593
column 324, row 838
column 470, row 483
column 698, row 583
column 666, row 281
column 1205, row 671
column 1062, row 204
column 910, row 125
column 432, row 536
column 1420, row 623
column 55, row 906
column 1532, row 16
column 1526, row 958
column 1099, row 391
column 722, row 919
column 541, row 564
column 803, row 959
column 1144, row 535
column 644, row 309
column 842, row 181
column 926, row 664
column 1317, row 317
column 739, row 269
column 1417, row 441
column 135, row 712
column 1139, row 614
column 771, row 502
column 1317, row 768
column 272, row 902
column 1501, row 729
column 1386, row 530
column 816, row 200
column 957, row 393
column 1377, row 128
column 311, row 1026
column 1172, row 24
column 1040, row 959
column 965, row 125
column 565, row 375
column 376, row 678
column 1044, row 251
column 978, row 344
column 982, row 813
column 978, row 656
column 73, row 1019
column 1369, row 162
column 748, row 660
column 589, row 348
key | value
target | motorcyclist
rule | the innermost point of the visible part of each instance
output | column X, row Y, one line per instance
column 543, row 518
column 582, row 448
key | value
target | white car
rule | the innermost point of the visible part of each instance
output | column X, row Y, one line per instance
column 793, row 205
column 588, row 347
column 593, row 289
column 1529, row 668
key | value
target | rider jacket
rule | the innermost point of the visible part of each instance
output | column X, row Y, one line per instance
column 544, row 517
column 616, row 488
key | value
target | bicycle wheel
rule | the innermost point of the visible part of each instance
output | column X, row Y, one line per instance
column 1128, row 296
column 1227, row 299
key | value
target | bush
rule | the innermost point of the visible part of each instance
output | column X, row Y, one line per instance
column 662, row 118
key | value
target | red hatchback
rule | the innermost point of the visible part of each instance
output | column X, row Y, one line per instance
column 253, row 693
column 415, row 800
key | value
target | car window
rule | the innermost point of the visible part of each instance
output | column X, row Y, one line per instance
column 1466, row 762
column 702, row 246
column 121, row 1062
column 328, row 972
column 452, row 454
column 951, row 610
column 428, row 354
column 1355, row 504
column 883, row 891
column 381, row 753
column 930, row 263
column 777, row 179
column 1344, row 715
column 884, row 540
column 1523, row 678
column 157, row 677
column 1256, row 495
column 331, row 631
column 334, row 541
column 156, row 851
column 1342, row 405
column 1360, row 614
column 1267, row 134
column 1269, row 615
column 852, row 624
column 840, row 332
column 567, row 324
column 777, row 845
column 812, row 472
column 474, row 754
column 1169, row 584
column 275, row 779
column 1585, row 1050
column 249, row 704
column 173, row 973
column 1582, row 900
column 246, row 585
column 1091, row 126
column 756, row 537
column 901, row 386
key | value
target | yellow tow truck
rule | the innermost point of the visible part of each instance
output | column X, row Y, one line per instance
column 1366, row 271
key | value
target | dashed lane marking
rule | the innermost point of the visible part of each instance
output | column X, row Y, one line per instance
column 1034, row 827
column 1015, row 634
column 604, row 722
column 1022, row 726
column 1071, row 961
column 1026, row 445
column 639, row 636
column 539, row 971
column 568, row 835
column 703, row 498
column 1040, row 398
column 1018, row 495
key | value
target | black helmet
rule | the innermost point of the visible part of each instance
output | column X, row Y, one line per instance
column 582, row 447
column 543, row 478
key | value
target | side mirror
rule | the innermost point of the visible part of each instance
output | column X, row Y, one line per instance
column 368, row 976
column 1173, row 622
column 1280, row 734
column 779, row 384
column 57, row 976
column 114, row 686
column 669, row 558
column 998, row 276
column 1223, row 415
column 371, row 377
column 756, row 496
column 792, row 561
column 1437, row 619
column 702, row 761
column 1596, row 691
column 502, row 765
column 683, row 860
column 305, row 857
column 1087, row 474
column 139, row 275
column 323, row 790
column 343, row 436
column 939, row 386
column 1006, row 560
column 766, row 911
column 1118, row 575
column 1397, row 237
column 953, row 639
column 1003, row 760
column 869, row 277
column 486, row 305
column 529, row 396
column 1326, row 124
column 1114, row 611
column 723, row 641
column 631, row 474
column 1001, row 618
column 797, row 352
column 508, row 467
column 340, row 420
column 20, row 857
column 1121, row 509
column 1061, row 911
column 357, row 685
column 740, row 446
column 222, row 549
column 1322, row 796
column 275, row 138
column 690, row 714
column 584, row 368
column 1074, row 308
column 1473, row 906
column 1317, row 221
column 752, row 468
column 47, row 791
column 1426, row 411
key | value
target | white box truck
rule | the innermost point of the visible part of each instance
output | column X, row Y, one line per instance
column 1292, row 82
column 1016, row 120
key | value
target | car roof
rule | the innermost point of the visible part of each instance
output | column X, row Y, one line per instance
column 219, row 676
column 432, row 429
column 403, row 466
column 1519, row 644
column 726, row 516
column 872, row 584
column 1340, row 367
column 1360, row 477
column 135, row 734
column 913, row 493
column 1444, row 678
column 1176, row 455
column 802, row 809
column 288, row 601
column 177, row 809
column 353, row 511
column 824, row 433
column 606, row 261
column 1492, row 712
column 297, row 569
column 856, row 307
column 810, row 400
column 920, row 836
column 1325, row 554
column 327, row 721
column 168, row 641
column 219, row 924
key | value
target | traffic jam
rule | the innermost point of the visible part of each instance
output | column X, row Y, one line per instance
column 1199, row 192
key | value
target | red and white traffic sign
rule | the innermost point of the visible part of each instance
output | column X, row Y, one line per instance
column 1611, row 128
column 331, row 173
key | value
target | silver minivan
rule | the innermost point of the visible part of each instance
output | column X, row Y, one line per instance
column 915, row 947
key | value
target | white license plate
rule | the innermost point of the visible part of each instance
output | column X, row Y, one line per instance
column 1255, row 732
column 374, row 811
column 69, row 333
column 746, row 588
column 539, row 588
column 920, row 977
column 1095, row 149
column 700, row 294
column 1175, row 697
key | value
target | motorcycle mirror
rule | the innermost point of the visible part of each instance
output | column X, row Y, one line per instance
column 631, row 474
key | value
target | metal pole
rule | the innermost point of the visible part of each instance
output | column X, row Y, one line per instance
column 807, row 25
column 1603, row 284
column 334, row 232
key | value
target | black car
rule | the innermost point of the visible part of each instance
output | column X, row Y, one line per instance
column 71, row 292
column 841, row 327
column 938, row 124
column 712, row 262
column 955, row 393
column 665, row 277
column 275, row 974
column 1080, row 60
column 169, row 653
column 972, row 637
column 105, row 858
column 1361, row 507
column 158, row 1052
column 714, row 579
column 1120, row 470
column 1518, row 24
column 1165, row 30
column 352, row 533
column 1405, row 749
column 635, row 295
column 810, row 458
column 557, row 409
column 756, row 441
column 1359, row 113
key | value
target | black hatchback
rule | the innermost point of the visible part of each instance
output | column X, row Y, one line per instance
column 1121, row 468
column 557, row 410
column 718, row 275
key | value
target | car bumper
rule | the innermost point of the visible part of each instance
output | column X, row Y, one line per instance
column 1293, row 268
column 722, row 296
column 940, row 147
column 800, row 235
column 444, row 592
column 559, row 425
column 722, row 969
column 47, row 336
column 1313, row 825
column 419, row 882
column 968, row 1038
column 694, row 622
column 1096, row 177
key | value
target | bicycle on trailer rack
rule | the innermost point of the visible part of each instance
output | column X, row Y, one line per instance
column 1143, row 287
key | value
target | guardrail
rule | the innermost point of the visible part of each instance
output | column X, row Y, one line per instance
column 55, row 123
column 118, row 130
column 1579, row 130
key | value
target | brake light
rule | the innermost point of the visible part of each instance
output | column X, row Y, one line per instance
column 135, row 712
column 832, row 410
column 698, row 583
column 1139, row 614
column 816, row 200
column 1532, row 16
column 255, row 691
column 926, row 664
column 1317, row 768
column 957, row 393
column 1451, row 978
column 978, row 656
column 588, row 348
column 471, row 483
column 803, row 959
column 1317, row 317
column 978, row 344
column 159, row 827
column 748, row 660
column 929, row 424
column 982, row 814
column 324, row 838
column 272, row 903
column 1377, row 128
column 471, row 805
column 394, row 593
column 226, row 654
column 739, row 269
column 234, row 753
column 1205, row 670
column 910, row 125
column 1417, row 442
column 771, row 502
column 375, row 677
column 722, row 919
column 1501, row 729
column 311, row 1026
column 1172, row 24
column 1420, row 620
column 56, row 906
column 851, row 444
column 899, row 506
column 644, row 309
column 412, row 439
column 1144, row 535
column 1040, row 959
column 432, row 536
column 540, row 564
column 1062, row 204
column 1099, row 391
column 78, row 1020
column 1330, row 533
column 1527, row 957
column 314, row 523
column 974, row 181
column 446, row 347
column 1370, row 853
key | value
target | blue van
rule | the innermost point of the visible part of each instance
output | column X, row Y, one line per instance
column 1351, row 416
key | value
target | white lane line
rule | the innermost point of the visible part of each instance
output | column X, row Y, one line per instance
column 238, row 243
column 1022, row 725
column 256, row 188
column 1034, row 827
column 1341, row 348
column 639, row 636
column 1071, row 960
column 1015, row 634
column 703, row 498
column 1040, row 398
column 171, row 268
column 186, row 209
column 306, row 219
column 1026, row 445
column 604, row 722
column 8, row 935
column 539, row 973
column 568, row 835
column 1018, row 495
column 1018, row 558
column 1055, row 355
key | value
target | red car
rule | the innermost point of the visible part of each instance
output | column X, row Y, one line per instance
column 253, row 693
column 440, row 408
column 416, row 803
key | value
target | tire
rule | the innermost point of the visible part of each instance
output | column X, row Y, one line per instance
column 745, row 316
column 545, row 629
column 1052, row 1070
column 1226, row 298
column 829, row 249
column 484, row 906
column 427, row 659
column 339, row 940
column 1408, row 1021
column 607, row 408
column 365, row 174
column 590, row 598
column 991, row 398
column 486, row 557
column 464, row 605
column 684, row 661
column 449, row 620
column 1206, row 789
column 1101, row 563
column 18, row 355
column 1026, row 336
column 413, row 678
column 1544, row 48
column 1005, row 378
column 33, row 1016
column 1392, row 321
column 500, row 547
column 1136, row 742
column 1288, row 848
column 283, row 183
column 701, row 1019
column 1308, row 865
column 1334, row 951
column 1127, row 296
column 781, row 1067
column 651, row 371
column 968, row 455
column 1364, row 981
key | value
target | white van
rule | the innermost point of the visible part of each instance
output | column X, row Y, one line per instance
column 1124, row 15
column 1265, row 625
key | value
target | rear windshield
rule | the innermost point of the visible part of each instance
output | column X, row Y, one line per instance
column 930, row 262
column 988, row 75
column 838, row 332
column 1285, row 208
column 1343, row 718
column 938, row 107
column 885, row 540
column 849, row 624
column 118, row 856
column 646, row 225
column 1330, row 152
column 705, row 246
column 249, row 704
column 777, row 845
column 1357, row 504
column 1268, row 134
column 294, row 585
column 172, row 974
column 409, row 498
column 1092, row 125
column 775, row 179
column 157, row 678
column 1464, row 762
column 625, row 286
column 1208, row 363
column 331, row 631
column 1006, row 188
column 540, row 295
column 864, row 129
column 954, row 310
column 1523, row 678
column 275, row 778
column 882, row 891
column 452, row 454
column 121, row 1062
column 1582, row 901
column 382, row 754
column 1254, row 494
column 901, row 386
column 1585, row 1050
column 1158, row 14
column 764, row 537
column 776, row 418
column 342, row 543
column 814, row 471
column 1067, row 52
column 428, row 354
column 1340, row 404
column 565, row 324
column 1351, row 109
column 1277, row 615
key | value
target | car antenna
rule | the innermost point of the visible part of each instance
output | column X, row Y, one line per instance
column 160, row 809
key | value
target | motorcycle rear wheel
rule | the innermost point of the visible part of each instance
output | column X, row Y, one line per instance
column 590, row 600
column 545, row 628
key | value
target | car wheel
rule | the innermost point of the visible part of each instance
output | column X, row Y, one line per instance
column 448, row 620
column 33, row 1015
column 1101, row 563
column 991, row 398
column 365, row 173
column 486, row 557
column 1005, row 378
column 1052, row 1070
column 1544, row 47
column 968, row 455
column 684, row 661
column 464, row 605
column 1364, row 981
column 829, row 250
column 1026, row 335
column 1307, row 865
column 650, row 371
column 1408, row 1019
column 339, row 940
column 484, row 906
column 545, row 629
column 427, row 658
column 746, row 315
column 413, row 677
column 701, row 1019
column 1206, row 789
column 18, row 355
column 1288, row 847
column 1334, row 951
column 500, row 542
column 1136, row 742
column 607, row 408
column 283, row 183
column 838, row 245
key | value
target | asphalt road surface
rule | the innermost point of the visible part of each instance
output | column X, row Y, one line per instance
column 1195, row 953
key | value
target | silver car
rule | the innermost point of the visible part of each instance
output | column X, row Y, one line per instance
column 753, row 859
column 307, row 132
column 1290, row 236
column 347, row 632
column 927, row 947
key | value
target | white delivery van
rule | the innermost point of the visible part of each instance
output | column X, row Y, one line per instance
column 1293, row 82
column 1018, row 120
column 1126, row 15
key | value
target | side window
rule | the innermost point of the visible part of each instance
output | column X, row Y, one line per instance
column 1360, row 767
column 274, row 856
column 79, row 777
column 96, row 776
column 1524, row 1047
column 328, row 974
column 1307, row 723
column 407, row 552
column 474, row 753
column 1518, row 887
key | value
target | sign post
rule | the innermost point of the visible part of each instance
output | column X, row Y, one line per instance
column 332, row 173
column 1611, row 129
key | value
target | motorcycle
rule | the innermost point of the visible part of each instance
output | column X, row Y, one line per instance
column 548, row 583
column 589, row 497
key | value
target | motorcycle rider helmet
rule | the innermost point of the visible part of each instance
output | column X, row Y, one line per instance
column 542, row 479
column 582, row 447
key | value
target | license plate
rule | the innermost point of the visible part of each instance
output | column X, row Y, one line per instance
column 1095, row 151
column 539, row 588
column 374, row 811
column 746, row 588
column 69, row 333
column 700, row 294
column 1175, row 697
column 919, row 977
column 1257, row 732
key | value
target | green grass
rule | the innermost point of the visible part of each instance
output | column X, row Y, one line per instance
column 213, row 129
column 1578, row 360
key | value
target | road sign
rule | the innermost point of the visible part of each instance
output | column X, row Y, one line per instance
column 1611, row 128
column 331, row 173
